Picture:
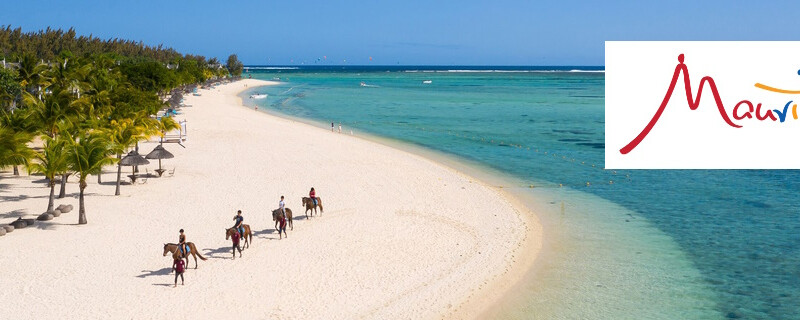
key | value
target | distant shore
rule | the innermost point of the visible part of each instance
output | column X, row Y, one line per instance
column 401, row 237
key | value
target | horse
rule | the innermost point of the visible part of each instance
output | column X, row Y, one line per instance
column 176, row 254
column 247, row 234
column 276, row 213
column 309, row 204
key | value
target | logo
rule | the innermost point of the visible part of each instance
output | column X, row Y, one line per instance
column 726, row 120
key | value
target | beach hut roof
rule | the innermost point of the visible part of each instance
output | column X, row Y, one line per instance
column 133, row 159
column 159, row 153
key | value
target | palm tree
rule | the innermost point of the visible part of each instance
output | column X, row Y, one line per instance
column 167, row 124
column 52, row 113
column 85, row 156
column 14, row 149
column 52, row 162
column 122, row 134
column 49, row 111
column 32, row 74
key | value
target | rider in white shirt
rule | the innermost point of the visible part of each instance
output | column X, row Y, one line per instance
column 282, row 206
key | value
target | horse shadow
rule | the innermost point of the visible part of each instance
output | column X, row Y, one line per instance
column 159, row 272
column 218, row 252
column 262, row 234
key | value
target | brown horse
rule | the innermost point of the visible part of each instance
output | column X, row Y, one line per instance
column 176, row 254
column 277, row 212
column 309, row 204
column 247, row 236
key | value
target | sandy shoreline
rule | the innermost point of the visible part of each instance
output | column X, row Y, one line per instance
column 402, row 236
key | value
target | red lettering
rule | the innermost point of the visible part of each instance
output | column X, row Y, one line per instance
column 746, row 114
column 767, row 115
column 681, row 68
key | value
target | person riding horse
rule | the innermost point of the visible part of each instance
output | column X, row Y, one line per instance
column 238, row 225
column 282, row 206
column 313, row 196
column 182, row 244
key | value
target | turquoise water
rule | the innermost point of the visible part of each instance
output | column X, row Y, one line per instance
column 670, row 244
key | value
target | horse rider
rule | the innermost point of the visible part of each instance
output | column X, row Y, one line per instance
column 282, row 206
column 182, row 244
column 313, row 196
column 238, row 225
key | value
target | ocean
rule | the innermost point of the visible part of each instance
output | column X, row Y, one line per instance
column 624, row 244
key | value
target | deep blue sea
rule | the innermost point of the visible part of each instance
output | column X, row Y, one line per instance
column 635, row 244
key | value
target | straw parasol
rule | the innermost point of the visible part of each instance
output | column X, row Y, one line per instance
column 133, row 159
column 159, row 153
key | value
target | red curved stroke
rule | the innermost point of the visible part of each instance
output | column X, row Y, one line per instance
column 693, row 103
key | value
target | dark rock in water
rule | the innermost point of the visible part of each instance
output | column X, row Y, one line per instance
column 8, row 228
column 19, row 224
column 757, row 204
column 45, row 217
column 733, row 315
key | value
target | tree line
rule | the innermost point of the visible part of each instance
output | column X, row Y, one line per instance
column 85, row 101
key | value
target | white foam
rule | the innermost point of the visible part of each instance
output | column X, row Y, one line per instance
column 271, row 68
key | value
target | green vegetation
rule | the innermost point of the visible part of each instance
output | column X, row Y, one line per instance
column 85, row 100
column 235, row 66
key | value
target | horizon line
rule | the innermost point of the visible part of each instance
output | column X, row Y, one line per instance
column 421, row 65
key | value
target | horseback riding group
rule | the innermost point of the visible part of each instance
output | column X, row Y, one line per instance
column 240, row 231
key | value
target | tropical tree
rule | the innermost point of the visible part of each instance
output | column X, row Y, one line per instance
column 52, row 161
column 235, row 66
column 51, row 110
column 167, row 124
column 85, row 156
column 18, row 120
column 122, row 134
column 32, row 74
column 14, row 149
column 10, row 89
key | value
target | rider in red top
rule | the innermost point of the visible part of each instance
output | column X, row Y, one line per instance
column 313, row 196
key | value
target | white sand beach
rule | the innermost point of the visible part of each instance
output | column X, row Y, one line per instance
column 402, row 237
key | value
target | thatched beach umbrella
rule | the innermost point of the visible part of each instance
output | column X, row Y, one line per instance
column 133, row 159
column 159, row 153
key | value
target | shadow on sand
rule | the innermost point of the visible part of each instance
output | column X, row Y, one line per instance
column 159, row 272
column 13, row 214
column 164, row 284
column 219, row 253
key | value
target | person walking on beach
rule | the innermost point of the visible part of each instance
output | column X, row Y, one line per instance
column 282, row 227
column 235, row 238
column 238, row 224
column 340, row 127
column 178, row 266
column 313, row 196
column 182, row 244
column 331, row 126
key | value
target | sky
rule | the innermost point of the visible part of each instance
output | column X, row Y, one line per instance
column 409, row 32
